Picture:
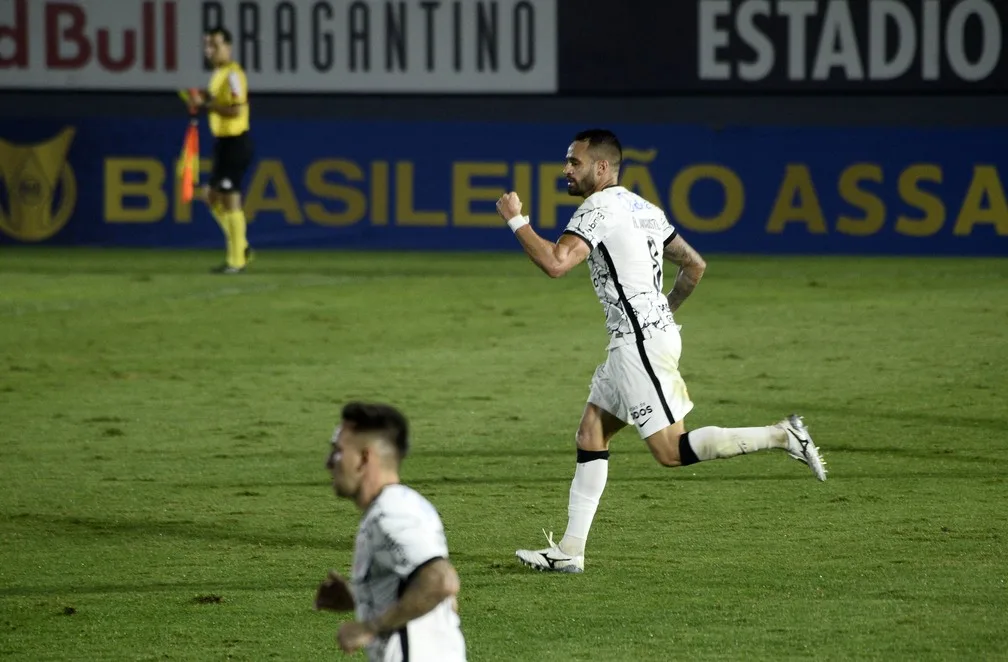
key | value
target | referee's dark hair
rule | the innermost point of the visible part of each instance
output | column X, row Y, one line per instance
column 382, row 419
column 222, row 31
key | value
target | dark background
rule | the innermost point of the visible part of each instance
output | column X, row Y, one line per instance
column 848, row 109
column 652, row 47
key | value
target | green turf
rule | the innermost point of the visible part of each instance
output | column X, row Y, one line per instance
column 164, row 432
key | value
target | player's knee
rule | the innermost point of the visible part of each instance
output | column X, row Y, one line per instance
column 589, row 439
column 665, row 450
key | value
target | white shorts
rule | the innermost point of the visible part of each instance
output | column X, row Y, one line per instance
column 434, row 637
column 640, row 383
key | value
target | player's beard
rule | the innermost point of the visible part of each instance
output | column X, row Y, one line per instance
column 580, row 188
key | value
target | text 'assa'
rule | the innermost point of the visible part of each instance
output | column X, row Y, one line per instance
column 852, row 40
column 391, row 36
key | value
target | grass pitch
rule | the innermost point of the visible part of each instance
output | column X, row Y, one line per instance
column 164, row 432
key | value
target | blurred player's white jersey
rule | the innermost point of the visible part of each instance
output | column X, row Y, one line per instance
column 627, row 235
column 399, row 533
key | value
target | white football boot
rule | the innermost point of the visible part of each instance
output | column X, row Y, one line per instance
column 801, row 447
column 550, row 559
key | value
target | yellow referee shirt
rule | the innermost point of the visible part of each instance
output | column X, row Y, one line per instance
column 229, row 87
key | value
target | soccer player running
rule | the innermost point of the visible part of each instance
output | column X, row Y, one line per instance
column 625, row 238
column 227, row 105
column 402, row 585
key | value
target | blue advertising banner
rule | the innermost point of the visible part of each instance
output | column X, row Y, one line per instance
column 432, row 186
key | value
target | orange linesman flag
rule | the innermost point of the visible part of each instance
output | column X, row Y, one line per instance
column 189, row 163
column 189, row 160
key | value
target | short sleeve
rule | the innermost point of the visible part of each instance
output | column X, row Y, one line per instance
column 668, row 231
column 237, row 87
column 411, row 541
column 589, row 225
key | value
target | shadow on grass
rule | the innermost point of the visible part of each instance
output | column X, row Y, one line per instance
column 218, row 532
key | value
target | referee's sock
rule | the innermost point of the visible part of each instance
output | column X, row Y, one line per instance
column 713, row 443
column 219, row 212
column 235, row 220
column 585, row 491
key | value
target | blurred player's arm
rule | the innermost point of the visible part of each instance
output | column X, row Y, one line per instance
column 555, row 259
column 433, row 582
column 691, row 270
column 430, row 584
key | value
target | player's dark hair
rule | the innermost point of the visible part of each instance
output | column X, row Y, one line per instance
column 382, row 419
column 222, row 31
column 605, row 142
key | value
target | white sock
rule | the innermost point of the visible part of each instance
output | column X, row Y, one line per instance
column 585, row 491
column 713, row 443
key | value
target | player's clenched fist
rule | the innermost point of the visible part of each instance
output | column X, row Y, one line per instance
column 334, row 594
column 509, row 206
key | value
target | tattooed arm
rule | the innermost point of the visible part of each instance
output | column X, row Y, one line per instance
column 691, row 269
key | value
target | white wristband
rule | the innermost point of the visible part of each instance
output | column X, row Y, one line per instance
column 517, row 222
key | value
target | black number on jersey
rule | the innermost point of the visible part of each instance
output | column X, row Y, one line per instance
column 656, row 262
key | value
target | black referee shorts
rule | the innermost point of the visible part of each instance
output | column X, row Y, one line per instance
column 232, row 156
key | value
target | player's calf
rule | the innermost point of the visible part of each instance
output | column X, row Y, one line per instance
column 674, row 447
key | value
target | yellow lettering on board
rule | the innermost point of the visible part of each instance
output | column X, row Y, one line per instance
column 379, row 193
column 985, row 184
column 149, row 188
column 734, row 193
column 797, row 182
column 523, row 187
column 352, row 198
column 873, row 207
column 406, row 213
column 465, row 193
column 636, row 177
column 913, row 195
column 271, row 171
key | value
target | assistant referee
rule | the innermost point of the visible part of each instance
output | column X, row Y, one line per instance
column 227, row 106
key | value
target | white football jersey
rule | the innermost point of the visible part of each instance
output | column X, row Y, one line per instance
column 627, row 235
column 399, row 533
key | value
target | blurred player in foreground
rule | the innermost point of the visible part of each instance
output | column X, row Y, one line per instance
column 227, row 105
column 402, row 585
column 625, row 239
